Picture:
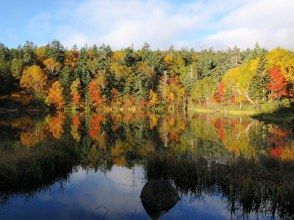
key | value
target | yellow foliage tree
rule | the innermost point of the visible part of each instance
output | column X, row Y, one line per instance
column 52, row 66
column 34, row 79
column 40, row 51
column 282, row 59
column 75, row 94
column 71, row 58
column 120, row 70
column 153, row 98
column 237, row 81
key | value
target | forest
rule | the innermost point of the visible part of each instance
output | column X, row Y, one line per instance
column 97, row 78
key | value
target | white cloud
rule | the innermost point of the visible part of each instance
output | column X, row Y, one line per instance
column 271, row 23
column 212, row 23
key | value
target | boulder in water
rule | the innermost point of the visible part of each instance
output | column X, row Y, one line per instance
column 158, row 196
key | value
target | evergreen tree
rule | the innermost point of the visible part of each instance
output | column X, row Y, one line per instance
column 258, row 87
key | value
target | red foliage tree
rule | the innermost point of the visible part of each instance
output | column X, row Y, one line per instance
column 277, row 84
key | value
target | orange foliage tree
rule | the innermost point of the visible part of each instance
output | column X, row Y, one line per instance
column 55, row 95
column 96, row 98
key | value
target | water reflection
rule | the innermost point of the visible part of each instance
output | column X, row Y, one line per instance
column 102, row 161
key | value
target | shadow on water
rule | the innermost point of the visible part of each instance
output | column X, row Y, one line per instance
column 247, row 163
column 283, row 116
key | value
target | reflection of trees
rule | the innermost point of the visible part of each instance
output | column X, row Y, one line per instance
column 30, row 130
column 143, row 133
column 129, row 137
column 95, row 126
column 31, row 138
column 171, row 129
column 119, row 139
column 239, row 136
column 21, row 122
column 234, row 134
column 126, row 139
column 55, row 124
column 247, row 186
column 202, row 127
column 75, row 127
column 118, row 152
column 282, row 143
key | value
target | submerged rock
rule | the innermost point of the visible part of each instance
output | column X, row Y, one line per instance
column 158, row 196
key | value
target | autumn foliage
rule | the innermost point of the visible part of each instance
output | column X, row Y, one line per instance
column 95, row 125
column 75, row 126
column 52, row 66
column 55, row 95
column 75, row 93
column 34, row 79
column 55, row 124
column 96, row 98
column 220, row 92
column 99, row 78
column 277, row 84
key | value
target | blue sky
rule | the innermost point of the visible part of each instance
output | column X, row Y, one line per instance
column 199, row 23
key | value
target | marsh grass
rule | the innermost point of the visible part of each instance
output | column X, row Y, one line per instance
column 283, row 116
column 25, row 170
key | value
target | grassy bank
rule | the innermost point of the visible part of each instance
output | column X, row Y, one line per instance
column 224, row 111
column 281, row 113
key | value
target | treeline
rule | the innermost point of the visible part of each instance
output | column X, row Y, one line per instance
column 97, row 77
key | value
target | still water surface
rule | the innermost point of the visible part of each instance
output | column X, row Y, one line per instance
column 94, row 166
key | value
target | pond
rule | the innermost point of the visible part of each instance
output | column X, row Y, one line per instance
column 144, row 165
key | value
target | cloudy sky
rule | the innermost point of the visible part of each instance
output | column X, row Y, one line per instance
column 183, row 23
